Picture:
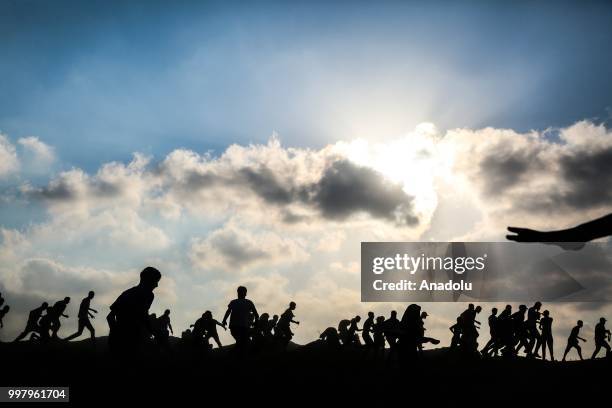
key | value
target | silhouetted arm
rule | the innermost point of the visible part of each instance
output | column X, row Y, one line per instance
column 93, row 310
column 170, row 326
column 227, row 314
column 598, row 228
column 254, row 311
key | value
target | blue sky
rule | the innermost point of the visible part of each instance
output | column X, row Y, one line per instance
column 100, row 80
column 395, row 121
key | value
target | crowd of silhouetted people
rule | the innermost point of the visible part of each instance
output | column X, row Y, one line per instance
column 132, row 327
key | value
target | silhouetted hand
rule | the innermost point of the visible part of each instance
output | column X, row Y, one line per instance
column 550, row 237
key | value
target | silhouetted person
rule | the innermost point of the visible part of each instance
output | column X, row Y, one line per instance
column 379, row 334
column 410, row 329
column 601, row 335
column 272, row 325
column 32, row 324
column 520, row 329
column 422, row 339
column 84, row 316
column 331, row 337
column 535, row 340
column 352, row 331
column 493, row 343
column 3, row 313
column 57, row 311
column 547, row 337
column 469, row 332
column 506, row 333
column 367, row 329
column 598, row 228
column 241, row 312
column 128, row 319
column 283, row 329
column 210, row 325
column 572, row 340
column 456, row 330
column 199, row 329
column 391, row 330
column 164, row 329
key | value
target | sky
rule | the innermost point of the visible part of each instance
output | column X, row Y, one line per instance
column 259, row 143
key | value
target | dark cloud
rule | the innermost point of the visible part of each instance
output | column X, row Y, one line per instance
column 588, row 176
column 502, row 168
column 266, row 185
column 346, row 189
column 235, row 250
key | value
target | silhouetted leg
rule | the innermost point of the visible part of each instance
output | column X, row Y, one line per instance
column 579, row 352
column 77, row 334
column 567, row 349
column 24, row 334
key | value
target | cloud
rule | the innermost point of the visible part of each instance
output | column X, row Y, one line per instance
column 232, row 249
column 8, row 157
column 38, row 153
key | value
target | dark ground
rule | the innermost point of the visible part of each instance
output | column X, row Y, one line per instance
column 310, row 373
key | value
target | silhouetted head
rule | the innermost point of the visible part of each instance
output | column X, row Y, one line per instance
column 522, row 308
column 478, row 309
column 153, row 315
column 508, row 307
column 67, row 300
column 91, row 294
column 274, row 318
column 537, row 305
column 44, row 305
column 292, row 305
column 602, row 320
column 424, row 315
column 357, row 318
column 471, row 306
column 546, row 313
column 242, row 292
column 380, row 319
column 494, row 311
column 371, row 314
column 264, row 317
column 149, row 277
column 207, row 314
column 394, row 314
column 167, row 312
column 579, row 323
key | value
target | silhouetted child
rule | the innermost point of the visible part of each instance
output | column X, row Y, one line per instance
column 242, row 312
column 456, row 330
column 535, row 339
column 128, row 319
column 3, row 313
column 547, row 337
column 601, row 335
column 367, row 329
column 283, row 329
column 84, row 316
column 32, row 323
column 210, row 325
column 572, row 340
column 343, row 326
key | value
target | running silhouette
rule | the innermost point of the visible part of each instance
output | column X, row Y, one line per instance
column 572, row 340
column 241, row 312
column 32, row 323
column 493, row 343
column 283, row 329
column 84, row 316
column 54, row 315
column 601, row 335
column 210, row 327
column 598, row 228
column 368, row 326
column 535, row 339
column 128, row 319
